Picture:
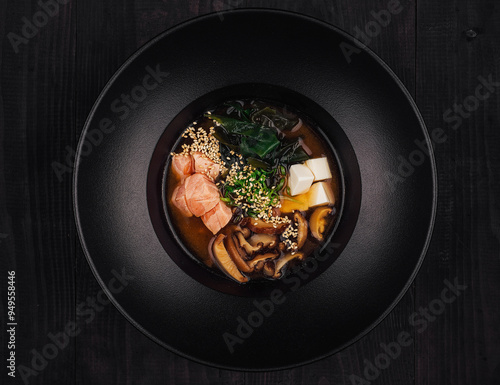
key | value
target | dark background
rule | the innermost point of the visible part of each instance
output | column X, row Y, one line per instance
column 437, row 48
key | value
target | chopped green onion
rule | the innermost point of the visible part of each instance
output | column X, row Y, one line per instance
column 280, row 184
column 291, row 199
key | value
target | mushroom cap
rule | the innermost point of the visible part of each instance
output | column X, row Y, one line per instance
column 261, row 227
column 262, row 258
column 318, row 221
column 280, row 263
column 267, row 240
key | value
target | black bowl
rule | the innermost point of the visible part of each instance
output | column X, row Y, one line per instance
column 364, row 112
column 334, row 137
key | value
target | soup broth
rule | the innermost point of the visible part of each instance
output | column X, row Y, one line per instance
column 266, row 172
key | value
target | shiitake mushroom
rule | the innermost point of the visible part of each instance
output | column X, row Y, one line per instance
column 262, row 258
column 267, row 240
column 280, row 263
column 243, row 243
column 302, row 229
column 236, row 256
column 261, row 227
column 318, row 221
column 222, row 258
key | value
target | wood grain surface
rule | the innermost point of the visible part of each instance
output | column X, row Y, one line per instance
column 439, row 49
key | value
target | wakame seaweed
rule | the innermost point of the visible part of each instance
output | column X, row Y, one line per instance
column 257, row 141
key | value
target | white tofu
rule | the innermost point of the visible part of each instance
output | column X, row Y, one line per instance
column 300, row 179
column 320, row 194
column 320, row 168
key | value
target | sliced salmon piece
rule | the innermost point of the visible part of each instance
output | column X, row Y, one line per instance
column 218, row 217
column 205, row 166
column 182, row 166
column 202, row 195
column 179, row 200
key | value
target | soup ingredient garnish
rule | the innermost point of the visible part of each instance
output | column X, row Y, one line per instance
column 302, row 229
column 237, row 108
column 298, row 202
column 319, row 167
column 235, row 254
column 247, row 247
column 217, row 218
column 284, row 260
column 318, row 222
column 267, row 240
column 268, row 269
column 245, row 170
column 271, row 118
column 291, row 233
column 205, row 166
column 198, row 195
column 320, row 194
column 247, row 187
column 203, row 142
column 254, row 263
column 257, row 141
column 300, row 180
column 260, row 226
column 224, row 261
column 249, row 139
column 198, row 166
column 179, row 200
column 182, row 166
column 302, row 176
column 202, row 195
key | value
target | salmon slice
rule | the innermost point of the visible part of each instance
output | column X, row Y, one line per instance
column 218, row 217
column 182, row 166
column 179, row 200
column 202, row 195
column 204, row 165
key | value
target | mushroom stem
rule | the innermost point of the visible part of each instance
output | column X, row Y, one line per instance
column 245, row 231
column 247, row 246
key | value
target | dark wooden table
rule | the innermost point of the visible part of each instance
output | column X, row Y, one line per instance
column 50, row 77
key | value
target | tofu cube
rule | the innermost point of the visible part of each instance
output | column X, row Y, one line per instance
column 320, row 168
column 300, row 179
column 320, row 194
